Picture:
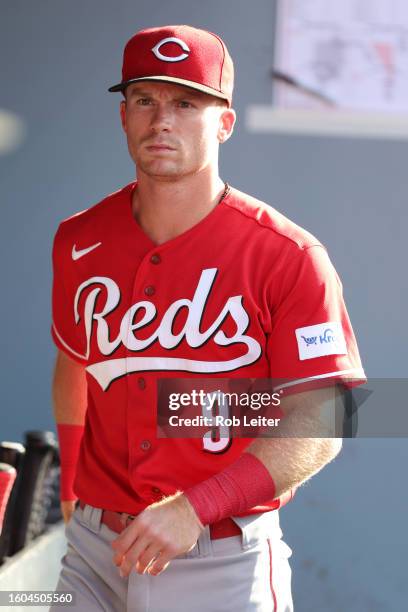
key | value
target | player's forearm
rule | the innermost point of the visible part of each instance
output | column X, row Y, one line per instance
column 292, row 461
column 273, row 466
column 69, row 391
column 265, row 472
column 304, row 442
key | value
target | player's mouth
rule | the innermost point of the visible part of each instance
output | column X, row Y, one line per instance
column 160, row 147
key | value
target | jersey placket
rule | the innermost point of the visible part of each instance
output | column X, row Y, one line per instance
column 141, row 409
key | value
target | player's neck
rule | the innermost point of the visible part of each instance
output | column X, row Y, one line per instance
column 165, row 210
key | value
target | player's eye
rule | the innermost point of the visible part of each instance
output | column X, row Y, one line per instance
column 143, row 101
column 185, row 104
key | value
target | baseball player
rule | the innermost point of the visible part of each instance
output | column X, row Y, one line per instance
column 178, row 275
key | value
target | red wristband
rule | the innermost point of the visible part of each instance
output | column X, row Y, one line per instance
column 242, row 485
column 70, row 437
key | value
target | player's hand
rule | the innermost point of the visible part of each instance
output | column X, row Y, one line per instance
column 67, row 510
column 161, row 532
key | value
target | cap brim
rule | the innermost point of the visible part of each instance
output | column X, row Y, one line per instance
column 168, row 79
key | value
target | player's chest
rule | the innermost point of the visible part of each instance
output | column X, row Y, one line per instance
column 168, row 300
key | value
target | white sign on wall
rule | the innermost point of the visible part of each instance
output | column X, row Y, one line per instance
column 342, row 65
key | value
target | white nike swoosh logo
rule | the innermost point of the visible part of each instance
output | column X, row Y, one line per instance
column 78, row 254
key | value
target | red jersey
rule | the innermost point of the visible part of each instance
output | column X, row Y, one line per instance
column 244, row 293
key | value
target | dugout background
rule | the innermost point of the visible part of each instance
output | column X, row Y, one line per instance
column 347, row 526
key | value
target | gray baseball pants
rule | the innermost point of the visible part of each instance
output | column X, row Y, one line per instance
column 248, row 573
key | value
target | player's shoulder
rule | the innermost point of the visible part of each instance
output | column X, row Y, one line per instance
column 99, row 215
column 264, row 218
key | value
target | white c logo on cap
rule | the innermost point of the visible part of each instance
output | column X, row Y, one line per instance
column 167, row 58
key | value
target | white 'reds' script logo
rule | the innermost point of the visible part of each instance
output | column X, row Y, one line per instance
column 77, row 254
column 107, row 371
column 168, row 58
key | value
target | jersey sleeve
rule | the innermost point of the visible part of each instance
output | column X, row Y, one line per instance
column 312, row 342
column 64, row 329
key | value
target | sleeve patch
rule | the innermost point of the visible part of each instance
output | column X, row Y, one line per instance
column 320, row 340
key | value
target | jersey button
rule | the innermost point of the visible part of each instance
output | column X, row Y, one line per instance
column 150, row 290
column 155, row 259
column 145, row 445
column 141, row 383
column 156, row 491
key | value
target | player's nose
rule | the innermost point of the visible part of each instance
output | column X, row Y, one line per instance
column 162, row 118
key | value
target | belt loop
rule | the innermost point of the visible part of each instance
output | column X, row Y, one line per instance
column 245, row 537
column 91, row 518
column 204, row 547
column 95, row 520
column 257, row 527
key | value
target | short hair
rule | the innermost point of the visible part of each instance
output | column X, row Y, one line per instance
column 217, row 100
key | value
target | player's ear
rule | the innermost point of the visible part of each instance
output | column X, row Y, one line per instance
column 122, row 111
column 226, row 124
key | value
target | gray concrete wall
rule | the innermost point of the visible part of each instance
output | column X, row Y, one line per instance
column 35, row 568
column 346, row 526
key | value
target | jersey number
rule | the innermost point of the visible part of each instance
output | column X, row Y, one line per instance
column 218, row 438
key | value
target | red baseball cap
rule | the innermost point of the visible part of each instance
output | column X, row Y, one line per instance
column 179, row 54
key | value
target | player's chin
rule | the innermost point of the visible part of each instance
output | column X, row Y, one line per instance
column 162, row 169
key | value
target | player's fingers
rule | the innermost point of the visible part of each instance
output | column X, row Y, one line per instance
column 131, row 557
column 126, row 539
column 67, row 510
column 158, row 566
column 117, row 558
column 147, row 557
column 121, row 548
column 167, row 553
